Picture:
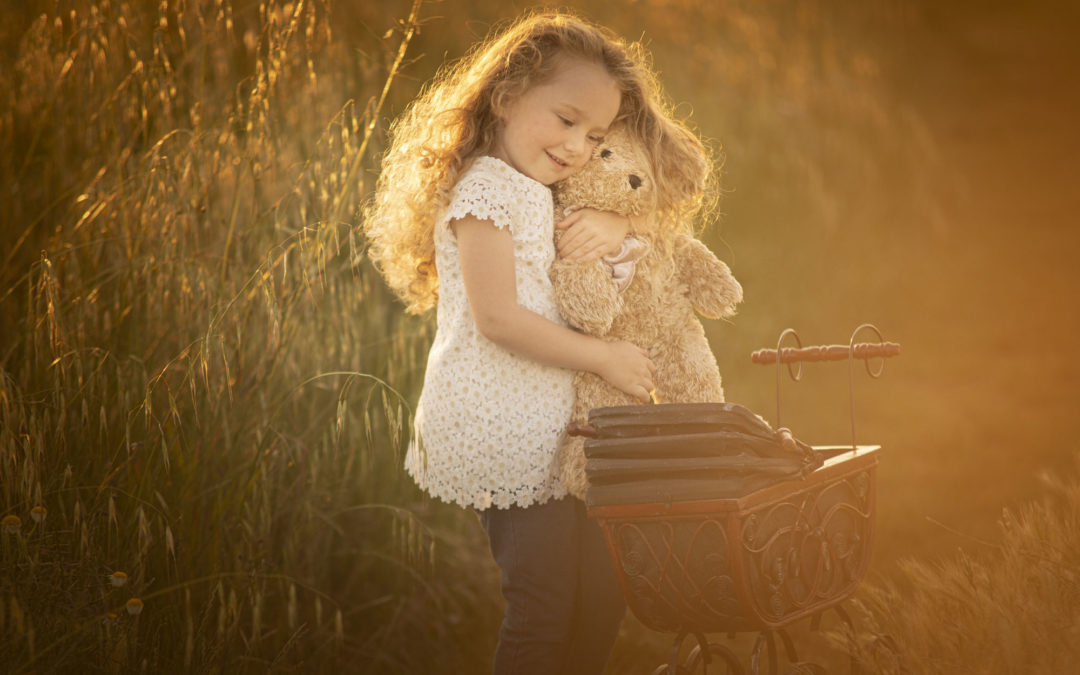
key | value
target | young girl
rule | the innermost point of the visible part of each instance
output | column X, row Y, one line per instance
column 462, row 217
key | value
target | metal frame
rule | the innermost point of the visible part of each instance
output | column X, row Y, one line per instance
column 759, row 562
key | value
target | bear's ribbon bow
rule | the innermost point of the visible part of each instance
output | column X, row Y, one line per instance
column 623, row 262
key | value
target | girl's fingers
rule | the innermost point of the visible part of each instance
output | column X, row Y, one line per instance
column 569, row 241
column 593, row 253
column 582, row 254
column 652, row 366
column 570, row 219
column 572, row 238
column 578, row 249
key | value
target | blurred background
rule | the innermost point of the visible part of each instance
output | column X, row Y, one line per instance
column 206, row 387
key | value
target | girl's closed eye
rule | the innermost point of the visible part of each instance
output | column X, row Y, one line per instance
column 569, row 123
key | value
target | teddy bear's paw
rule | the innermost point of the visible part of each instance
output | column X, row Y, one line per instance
column 587, row 319
column 730, row 297
column 585, row 296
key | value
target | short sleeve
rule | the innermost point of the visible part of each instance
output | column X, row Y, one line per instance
column 492, row 190
column 483, row 195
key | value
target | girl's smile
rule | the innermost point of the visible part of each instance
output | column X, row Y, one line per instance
column 555, row 159
column 550, row 131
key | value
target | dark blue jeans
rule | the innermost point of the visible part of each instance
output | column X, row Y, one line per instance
column 563, row 604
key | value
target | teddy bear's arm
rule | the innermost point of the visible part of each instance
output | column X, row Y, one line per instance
column 712, row 289
column 585, row 295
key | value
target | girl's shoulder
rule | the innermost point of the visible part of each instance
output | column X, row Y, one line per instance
column 493, row 190
column 487, row 170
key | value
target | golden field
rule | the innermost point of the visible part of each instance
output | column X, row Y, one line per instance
column 205, row 390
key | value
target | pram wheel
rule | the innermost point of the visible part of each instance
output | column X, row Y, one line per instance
column 714, row 658
column 720, row 660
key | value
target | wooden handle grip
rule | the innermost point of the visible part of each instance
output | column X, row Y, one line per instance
column 862, row 350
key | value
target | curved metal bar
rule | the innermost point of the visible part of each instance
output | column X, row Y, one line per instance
column 692, row 660
column 673, row 661
column 702, row 651
column 732, row 661
column 796, row 376
column 881, row 346
column 789, row 645
column 703, row 646
column 851, row 374
column 755, row 655
column 764, row 638
column 705, row 653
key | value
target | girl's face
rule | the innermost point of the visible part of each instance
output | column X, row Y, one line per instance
column 550, row 131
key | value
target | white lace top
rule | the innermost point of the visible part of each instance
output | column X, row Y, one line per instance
column 489, row 422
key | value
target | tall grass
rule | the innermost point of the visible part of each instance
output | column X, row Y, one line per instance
column 199, row 444
column 1010, row 607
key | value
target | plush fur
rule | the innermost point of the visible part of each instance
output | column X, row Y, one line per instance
column 677, row 275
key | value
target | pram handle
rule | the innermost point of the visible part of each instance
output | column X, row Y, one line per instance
column 862, row 350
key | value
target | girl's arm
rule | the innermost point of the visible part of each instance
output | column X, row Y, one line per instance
column 591, row 233
column 487, row 265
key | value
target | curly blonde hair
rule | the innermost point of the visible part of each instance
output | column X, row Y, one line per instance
column 455, row 119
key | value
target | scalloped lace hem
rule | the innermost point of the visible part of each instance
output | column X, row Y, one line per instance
column 483, row 499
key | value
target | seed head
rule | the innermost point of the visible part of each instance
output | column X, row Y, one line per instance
column 11, row 523
column 118, row 579
column 134, row 606
column 38, row 513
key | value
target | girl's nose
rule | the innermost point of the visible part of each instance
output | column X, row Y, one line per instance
column 576, row 142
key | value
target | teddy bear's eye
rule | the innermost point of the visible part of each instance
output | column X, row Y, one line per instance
column 604, row 154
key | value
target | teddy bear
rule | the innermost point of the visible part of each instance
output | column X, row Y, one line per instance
column 646, row 293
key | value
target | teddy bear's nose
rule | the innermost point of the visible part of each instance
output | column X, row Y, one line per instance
column 635, row 182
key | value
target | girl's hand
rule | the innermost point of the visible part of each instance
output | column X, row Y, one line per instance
column 629, row 369
column 591, row 234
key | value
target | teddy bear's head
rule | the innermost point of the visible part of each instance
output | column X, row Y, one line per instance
column 617, row 178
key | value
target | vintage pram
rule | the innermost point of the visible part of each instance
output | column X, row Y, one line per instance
column 717, row 523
